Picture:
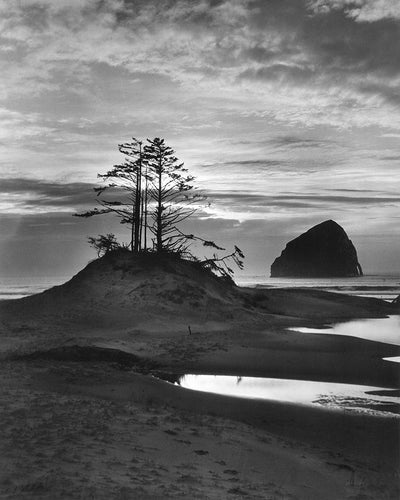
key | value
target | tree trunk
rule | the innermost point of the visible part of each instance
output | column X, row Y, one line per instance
column 138, row 202
column 145, row 212
column 133, row 229
column 159, row 208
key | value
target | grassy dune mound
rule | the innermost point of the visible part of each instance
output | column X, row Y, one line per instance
column 122, row 276
column 122, row 289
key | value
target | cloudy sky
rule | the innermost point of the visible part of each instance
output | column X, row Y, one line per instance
column 286, row 111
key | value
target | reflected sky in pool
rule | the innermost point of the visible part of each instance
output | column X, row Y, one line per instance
column 385, row 330
column 394, row 359
column 330, row 395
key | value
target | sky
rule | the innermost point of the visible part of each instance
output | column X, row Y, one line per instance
column 286, row 111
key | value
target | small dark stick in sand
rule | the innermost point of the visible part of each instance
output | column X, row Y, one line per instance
column 190, row 330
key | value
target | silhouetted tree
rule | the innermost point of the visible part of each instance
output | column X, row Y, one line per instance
column 219, row 265
column 216, row 263
column 128, row 184
column 153, row 185
column 172, row 195
column 104, row 243
column 134, row 154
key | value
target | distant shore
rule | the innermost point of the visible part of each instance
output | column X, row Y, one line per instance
column 373, row 285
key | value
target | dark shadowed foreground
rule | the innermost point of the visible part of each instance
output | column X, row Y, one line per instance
column 82, row 417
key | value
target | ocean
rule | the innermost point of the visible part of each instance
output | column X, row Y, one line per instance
column 385, row 287
column 17, row 287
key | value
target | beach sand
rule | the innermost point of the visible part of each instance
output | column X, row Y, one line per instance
column 73, row 430
column 90, row 422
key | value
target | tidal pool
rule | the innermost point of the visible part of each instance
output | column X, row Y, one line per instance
column 385, row 330
column 346, row 397
column 394, row 359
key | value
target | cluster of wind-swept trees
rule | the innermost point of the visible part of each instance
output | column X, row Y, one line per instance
column 152, row 192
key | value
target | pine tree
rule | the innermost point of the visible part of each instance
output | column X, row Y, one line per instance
column 172, row 196
column 126, row 182
column 152, row 192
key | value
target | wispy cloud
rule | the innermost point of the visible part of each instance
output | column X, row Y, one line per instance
column 28, row 195
column 32, row 196
column 276, row 46
column 359, row 10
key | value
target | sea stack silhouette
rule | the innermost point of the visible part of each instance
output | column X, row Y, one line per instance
column 325, row 250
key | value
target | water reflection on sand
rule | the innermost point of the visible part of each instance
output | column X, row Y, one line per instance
column 347, row 397
column 385, row 330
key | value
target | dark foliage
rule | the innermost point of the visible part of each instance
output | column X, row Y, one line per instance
column 104, row 243
column 153, row 194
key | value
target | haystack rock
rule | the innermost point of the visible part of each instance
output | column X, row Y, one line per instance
column 324, row 250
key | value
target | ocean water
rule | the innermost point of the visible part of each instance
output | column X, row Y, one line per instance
column 17, row 287
column 386, row 287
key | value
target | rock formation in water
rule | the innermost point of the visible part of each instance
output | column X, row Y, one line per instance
column 324, row 250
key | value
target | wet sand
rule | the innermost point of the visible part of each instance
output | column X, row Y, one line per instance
column 91, row 430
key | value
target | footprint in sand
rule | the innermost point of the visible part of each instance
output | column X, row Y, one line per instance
column 233, row 472
column 189, row 479
column 238, row 491
column 172, row 433
column 183, row 441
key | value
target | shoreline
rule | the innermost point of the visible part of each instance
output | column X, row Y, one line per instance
column 348, row 360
